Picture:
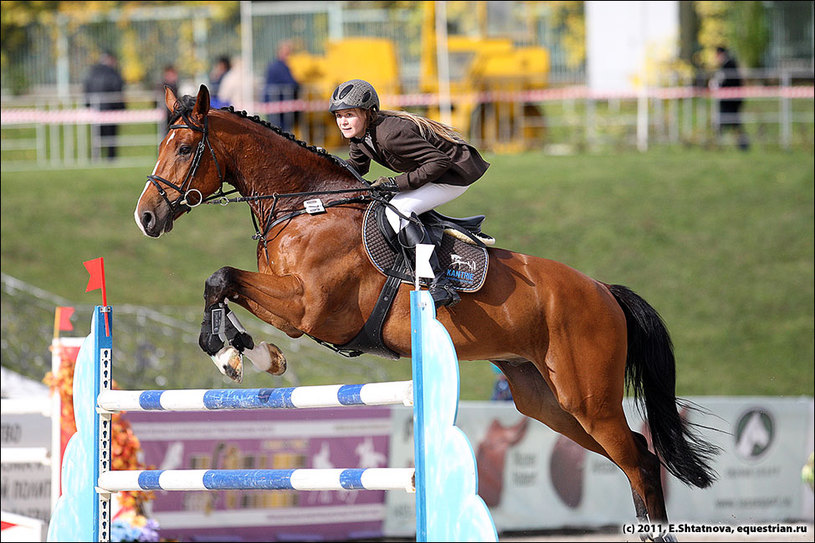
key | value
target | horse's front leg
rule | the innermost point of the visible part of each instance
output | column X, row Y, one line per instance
column 222, row 335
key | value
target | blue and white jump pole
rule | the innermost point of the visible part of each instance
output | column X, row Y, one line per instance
column 448, row 507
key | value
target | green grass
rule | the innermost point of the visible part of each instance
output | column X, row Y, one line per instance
column 721, row 243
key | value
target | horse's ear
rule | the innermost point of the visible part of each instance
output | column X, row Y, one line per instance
column 169, row 98
column 202, row 102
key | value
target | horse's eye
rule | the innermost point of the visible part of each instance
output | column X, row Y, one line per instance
column 184, row 150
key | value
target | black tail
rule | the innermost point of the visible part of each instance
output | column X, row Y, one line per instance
column 650, row 371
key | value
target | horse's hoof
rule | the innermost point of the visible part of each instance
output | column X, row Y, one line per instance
column 230, row 362
column 268, row 358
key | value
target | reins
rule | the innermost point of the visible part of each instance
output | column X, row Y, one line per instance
column 312, row 207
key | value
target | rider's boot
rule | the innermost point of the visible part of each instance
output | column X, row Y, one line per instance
column 441, row 288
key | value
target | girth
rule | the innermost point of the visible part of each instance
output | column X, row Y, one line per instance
column 369, row 339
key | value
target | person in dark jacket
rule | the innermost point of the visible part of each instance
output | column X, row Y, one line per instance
column 103, row 91
column 219, row 70
column 728, row 76
column 436, row 165
column 280, row 85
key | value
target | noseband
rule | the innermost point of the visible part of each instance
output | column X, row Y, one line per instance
column 184, row 191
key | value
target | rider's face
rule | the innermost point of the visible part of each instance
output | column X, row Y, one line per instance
column 351, row 122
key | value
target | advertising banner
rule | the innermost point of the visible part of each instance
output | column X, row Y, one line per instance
column 533, row 478
column 26, row 486
column 765, row 443
column 26, row 441
column 264, row 439
column 530, row 477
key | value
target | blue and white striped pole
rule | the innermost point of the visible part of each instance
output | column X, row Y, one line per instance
column 395, row 393
column 259, row 479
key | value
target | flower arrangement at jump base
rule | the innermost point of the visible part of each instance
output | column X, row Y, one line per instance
column 130, row 526
column 129, row 521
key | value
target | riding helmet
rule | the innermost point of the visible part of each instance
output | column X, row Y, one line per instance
column 354, row 94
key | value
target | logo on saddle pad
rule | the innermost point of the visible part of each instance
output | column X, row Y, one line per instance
column 461, row 269
column 464, row 263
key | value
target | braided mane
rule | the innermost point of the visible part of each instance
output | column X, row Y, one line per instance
column 185, row 104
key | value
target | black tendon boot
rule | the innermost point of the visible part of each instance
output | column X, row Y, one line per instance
column 441, row 288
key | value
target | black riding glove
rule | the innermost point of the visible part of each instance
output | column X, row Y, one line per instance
column 385, row 184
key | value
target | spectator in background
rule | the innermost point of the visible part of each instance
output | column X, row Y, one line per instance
column 169, row 78
column 233, row 85
column 103, row 88
column 730, row 108
column 500, row 390
column 216, row 75
column 280, row 85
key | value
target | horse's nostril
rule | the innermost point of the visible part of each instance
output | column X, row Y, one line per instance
column 147, row 219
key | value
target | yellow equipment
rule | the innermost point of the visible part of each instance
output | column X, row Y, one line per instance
column 371, row 59
column 479, row 67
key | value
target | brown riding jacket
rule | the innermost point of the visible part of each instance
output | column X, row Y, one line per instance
column 397, row 144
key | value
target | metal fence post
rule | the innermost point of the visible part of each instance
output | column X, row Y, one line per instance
column 785, row 114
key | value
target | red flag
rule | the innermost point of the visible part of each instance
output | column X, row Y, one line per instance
column 64, row 318
column 96, row 268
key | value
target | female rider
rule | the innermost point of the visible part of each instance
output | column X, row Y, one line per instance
column 436, row 164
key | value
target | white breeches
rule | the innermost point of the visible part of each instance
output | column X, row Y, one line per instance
column 425, row 198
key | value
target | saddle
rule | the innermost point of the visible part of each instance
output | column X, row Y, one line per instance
column 461, row 251
column 462, row 255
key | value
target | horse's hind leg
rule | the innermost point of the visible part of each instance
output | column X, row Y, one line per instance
column 654, row 508
column 584, row 363
column 612, row 438
column 534, row 398
column 651, row 511
column 630, row 452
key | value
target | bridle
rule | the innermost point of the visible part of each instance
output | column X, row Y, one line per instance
column 184, row 191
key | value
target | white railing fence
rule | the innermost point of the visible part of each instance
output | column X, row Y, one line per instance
column 60, row 132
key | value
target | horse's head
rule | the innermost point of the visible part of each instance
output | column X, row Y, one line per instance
column 187, row 170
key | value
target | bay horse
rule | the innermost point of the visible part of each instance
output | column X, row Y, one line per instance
column 568, row 344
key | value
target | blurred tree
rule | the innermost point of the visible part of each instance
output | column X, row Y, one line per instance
column 569, row 21
column 16, row 16
column 133, row 58
column 740, row 26
column 748, row 32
